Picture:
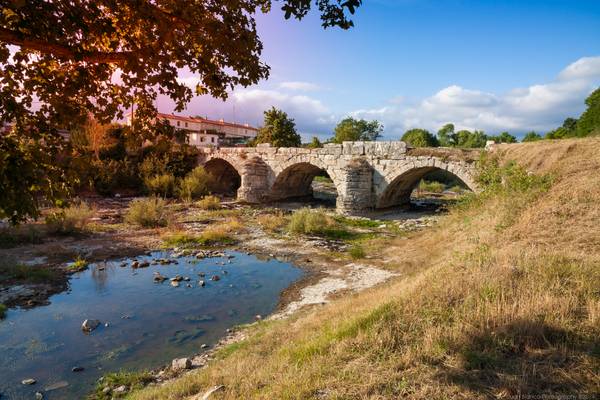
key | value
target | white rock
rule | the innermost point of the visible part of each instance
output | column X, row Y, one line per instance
column 89, row 325
column 179, row 364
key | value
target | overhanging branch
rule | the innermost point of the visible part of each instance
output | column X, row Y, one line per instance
column 93, row 57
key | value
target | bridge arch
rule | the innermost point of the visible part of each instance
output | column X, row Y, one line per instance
column 227, row 174
column 293, row 179
column 399, row 183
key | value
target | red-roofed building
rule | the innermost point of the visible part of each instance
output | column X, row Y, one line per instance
column 203, row 132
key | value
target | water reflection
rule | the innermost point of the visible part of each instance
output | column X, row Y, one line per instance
column 149, row 323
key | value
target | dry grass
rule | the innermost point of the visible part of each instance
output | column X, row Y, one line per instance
column 272, row 222
column 72, row 219
column 487, row 306
column 209, row 203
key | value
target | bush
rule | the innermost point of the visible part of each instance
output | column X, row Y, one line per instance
column 161, row 185
column 69, row 220
column 195, row 185
column 357, row 252
column 272, row 222
column 209, row 203
column 3, row 309
column 113, row 175
column 307, row 221
column 431, row 186
column 150, row 212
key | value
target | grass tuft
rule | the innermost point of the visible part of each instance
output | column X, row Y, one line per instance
column 132, row 380
column 3, row 310
column 151, row 212
column 209, row 203
column 70, row 220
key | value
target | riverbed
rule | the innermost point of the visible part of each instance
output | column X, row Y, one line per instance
column 143, row 323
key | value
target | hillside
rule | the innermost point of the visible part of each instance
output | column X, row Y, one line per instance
column 501, row 298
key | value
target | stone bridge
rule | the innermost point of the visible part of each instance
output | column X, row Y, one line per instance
column 367, row 175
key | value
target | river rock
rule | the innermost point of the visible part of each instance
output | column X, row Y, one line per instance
column 120, row 389
column 89, row 325
column 180, row 364
column 201, row 283
column 178, row 278
column 159, row 278
column 56, row 386
column 215, row 278
column 39, row 396
column 77, row 369
column 144, row 264
column 175, row 283
column 187, row 279
column 28, row 381
column 201, row 274
column 203, row 346
column 135, row 264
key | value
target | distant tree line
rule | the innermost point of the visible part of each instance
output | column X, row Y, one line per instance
column 280, row 130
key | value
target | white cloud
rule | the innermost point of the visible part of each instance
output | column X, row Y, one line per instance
column 299, row 86
column 540, row 107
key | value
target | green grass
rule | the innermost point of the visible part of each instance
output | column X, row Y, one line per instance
column 357, row 252
column 358, row 222
column 3, row 309
column 25, row 273
column 133, row 380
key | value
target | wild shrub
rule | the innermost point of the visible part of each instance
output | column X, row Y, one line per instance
column 272, row 222
column 209, row 203
column 113, row 175
column 69, row 220
column 161, row 185
column 150, row 212
column 307, row 221
column 431, row 186
column 194, row 185
column 357, row 252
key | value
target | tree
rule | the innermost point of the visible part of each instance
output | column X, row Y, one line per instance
column 531, row 137
column 568, row 129
column 446, row 135
column 420, row 138
column 589, row 121
column 315, row 143
column 352, row 130
column 279, row 130
column 470, row 140
column 504, row 137
column 104, row 57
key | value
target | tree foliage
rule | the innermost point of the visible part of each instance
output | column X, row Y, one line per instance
column 315, row 143
column 531, row 137
column 352, row 130
column 279, row 130
column 589, row 121
column 503, row 137
column 420, row 138
column 61, row 60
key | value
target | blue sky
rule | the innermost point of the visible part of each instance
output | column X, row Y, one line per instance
column 491, row 65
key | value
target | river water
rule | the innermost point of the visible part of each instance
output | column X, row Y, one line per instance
column 149, row 323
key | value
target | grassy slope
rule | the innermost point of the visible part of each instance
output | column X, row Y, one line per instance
column 501, row 298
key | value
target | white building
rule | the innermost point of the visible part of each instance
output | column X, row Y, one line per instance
column 203, row 132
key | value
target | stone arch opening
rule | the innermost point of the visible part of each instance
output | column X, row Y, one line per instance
column 304, row 182
column 406, row 188
column 227, row 179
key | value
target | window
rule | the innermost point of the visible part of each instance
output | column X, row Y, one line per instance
column 178, row 123
column 202, row 139
column 186, row 124
column 212, row 139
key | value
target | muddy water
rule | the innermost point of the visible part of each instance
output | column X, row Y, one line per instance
column 149, row 323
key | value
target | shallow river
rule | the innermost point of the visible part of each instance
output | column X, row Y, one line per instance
column 149, row 323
